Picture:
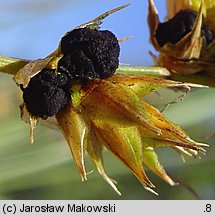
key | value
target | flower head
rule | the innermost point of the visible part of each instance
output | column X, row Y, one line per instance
column 97, row 106
column 186, row 40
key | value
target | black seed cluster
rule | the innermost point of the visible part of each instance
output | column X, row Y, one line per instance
column 181, row 24
column 89, row 54
column 46, row 94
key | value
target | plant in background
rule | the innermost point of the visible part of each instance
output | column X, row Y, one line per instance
column 98, row 106
column 186, row 39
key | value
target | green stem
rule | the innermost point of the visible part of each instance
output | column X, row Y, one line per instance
column 11, row 65
column 201, row 79
column 140, row 70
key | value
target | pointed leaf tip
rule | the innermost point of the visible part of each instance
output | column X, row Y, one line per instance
column 95, row 23
column 125, row 144
column 150, row 159
column 75, row 132
column 94, row 149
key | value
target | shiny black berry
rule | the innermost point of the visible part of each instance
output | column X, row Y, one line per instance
column 89, row 54
column 46, row 94
column 181, row 24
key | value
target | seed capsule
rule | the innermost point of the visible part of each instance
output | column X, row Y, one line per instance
column 89, row 54
column 46, row 94
column 181, row 24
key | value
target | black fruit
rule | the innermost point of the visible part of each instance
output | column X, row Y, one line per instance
column 46, row 94
column 89, row 54
column 181, row 24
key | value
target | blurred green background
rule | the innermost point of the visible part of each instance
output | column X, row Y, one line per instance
column 32, row 29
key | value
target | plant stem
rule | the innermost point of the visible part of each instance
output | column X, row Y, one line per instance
column 11, row 65
column 140, row 70
column 197, row 78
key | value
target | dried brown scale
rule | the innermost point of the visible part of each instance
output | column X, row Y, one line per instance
column 180, row 25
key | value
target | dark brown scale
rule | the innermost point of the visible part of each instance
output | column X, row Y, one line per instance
column 89, row 54
column 180, row 25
